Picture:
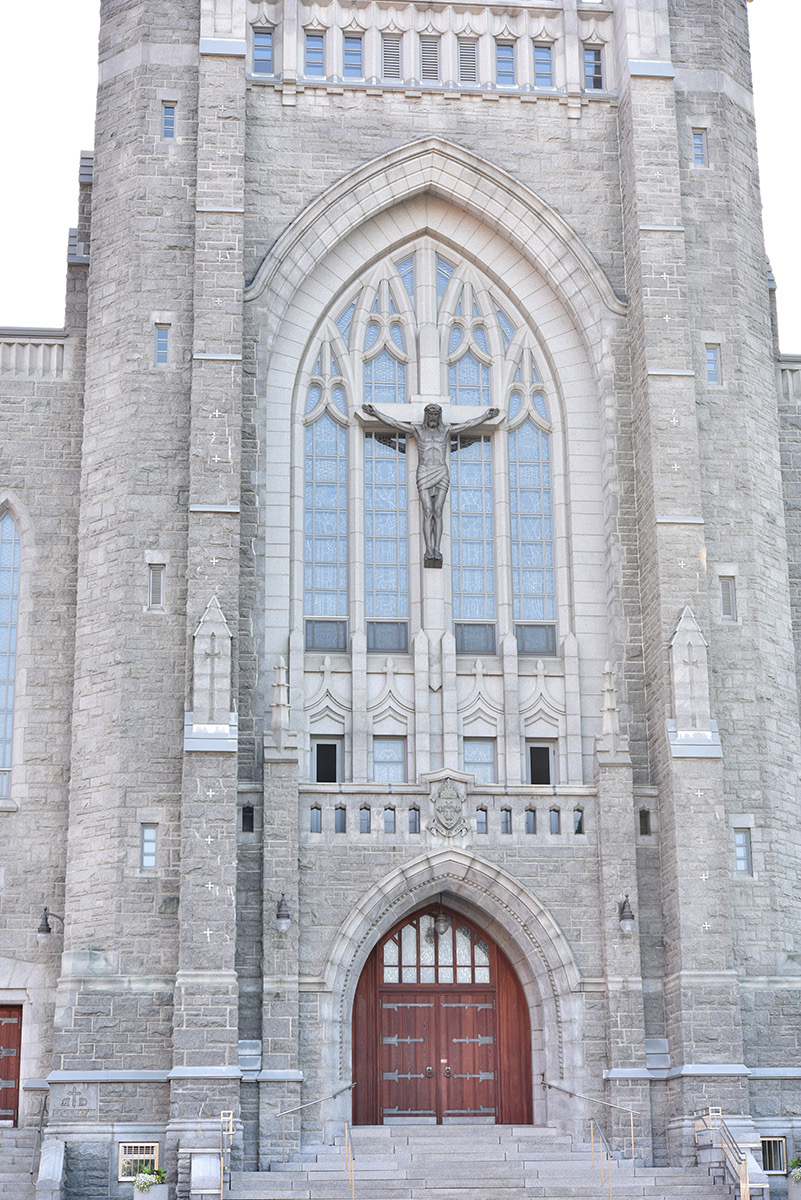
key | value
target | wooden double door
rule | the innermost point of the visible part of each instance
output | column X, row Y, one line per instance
column 440, row 1028
column 10, row 1045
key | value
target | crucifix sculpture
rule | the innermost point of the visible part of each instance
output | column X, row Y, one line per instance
column 433, row 477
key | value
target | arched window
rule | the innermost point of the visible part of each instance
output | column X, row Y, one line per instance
column 326, row 533
column 417, row 953
column 9, row 605
column 386, row 582
column 533, row 589
column 384, row 380
column 469, row 381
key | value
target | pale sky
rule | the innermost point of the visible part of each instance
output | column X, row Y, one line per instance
column 48, row 76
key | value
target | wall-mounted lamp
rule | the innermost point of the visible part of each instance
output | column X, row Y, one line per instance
column 442, row 922
column 625, row 916
column 282, row 917
column 44, row 932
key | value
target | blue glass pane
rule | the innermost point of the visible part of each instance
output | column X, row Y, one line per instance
column 384, row 380
column 344, row 322
column 444, row 272
column 339, row 399
column 507, row 329
column 455, row 339
column 406, row 271
column 472, row 542
column 533, row 588
column 514, row 404
column 313, row 397
column 396, row 334
column 325, row 523
column 386, row 553
column 469, row 381
column 371, row 337
column 541, row 406
column 480, row 336
column 534, row 376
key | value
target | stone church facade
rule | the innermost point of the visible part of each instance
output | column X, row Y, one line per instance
column 285, row 774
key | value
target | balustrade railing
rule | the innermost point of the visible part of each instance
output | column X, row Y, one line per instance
column 33, row 353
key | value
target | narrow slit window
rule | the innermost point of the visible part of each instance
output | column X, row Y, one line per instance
column 365, row 819
column 505, row 64
column 578, row 820
column 774, row 1155
column 414, row 820
column 391, row 56
column 645, row 822
column 742, row 851
column 248, row 818
column 148, row 847
column 340, row 820
column 543, row 66
column 468, row 60
column 713, row 364
column 429, row 60
column 389, row 820
column 316, row 820
column 155, row 587
column 162, row 345
column 481, row 820
column 506, row 820
column 593, row 69
column 168, row 122
column 314, row 55
column 555, row 821
column 263, row 52
column 699, row 148
column 352, row 58
column 728, row 598
column 531, row 820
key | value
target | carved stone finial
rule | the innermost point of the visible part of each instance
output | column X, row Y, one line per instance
column 690, row 675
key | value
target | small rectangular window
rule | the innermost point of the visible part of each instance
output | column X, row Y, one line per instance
column 468, row 60
column 481, row 820
column 414, row 820
column 315, row 820
column 133, row 1156
column 593, row 69
column 148, row 847
column 389, row 820
column 543, row 66
column 326, row 760
column 645, row 822
column 168, row 121
column 578, row 820
column 340, row 820
column 699, row 148
column 162, row 344
column 248, row 818
column 263, row 52
column 505, row 64
column 387, row 637
column 555, row 821
column 389, row 759
column 155, row 586
column 314, row 54
column 478, row 755
column 728, row 598
column 713, row 364
column 539, row 763
column 506, row 820
column 742, row 851
column 429, row 59
column 474, row 639
column 352, row 58
column 365, row 819
column 536, row 639
column 531, row 820
column 391, row 56
column 774, row 1155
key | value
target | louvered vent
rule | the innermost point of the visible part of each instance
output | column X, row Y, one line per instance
column 468, row 63
column 429, row 58
column 391, row 56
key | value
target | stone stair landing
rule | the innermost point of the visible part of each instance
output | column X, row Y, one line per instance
column 479, row 1162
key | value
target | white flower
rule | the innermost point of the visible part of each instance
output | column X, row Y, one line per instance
column 144, row 1182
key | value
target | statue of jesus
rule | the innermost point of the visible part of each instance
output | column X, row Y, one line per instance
column 433, row 477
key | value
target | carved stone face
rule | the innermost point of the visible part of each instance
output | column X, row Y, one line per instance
column 432, row 416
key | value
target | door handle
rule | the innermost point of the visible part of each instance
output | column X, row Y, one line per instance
column 447, row 1072
column 429, row 1071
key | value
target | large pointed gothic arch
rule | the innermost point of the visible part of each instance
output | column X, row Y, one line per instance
column 531, row 939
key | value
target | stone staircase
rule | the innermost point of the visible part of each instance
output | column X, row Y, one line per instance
column 479, row 1162
column 16, row 1148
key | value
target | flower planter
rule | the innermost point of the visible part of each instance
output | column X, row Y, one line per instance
column 157, row 1192
column 793, row 1189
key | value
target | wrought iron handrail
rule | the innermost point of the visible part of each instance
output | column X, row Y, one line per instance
column 603, row 1151
column 347, row 1087
column 594, row 1100
column 38, row 1137
column 734, row 1157
column 350, row 1162
column 226, row 1144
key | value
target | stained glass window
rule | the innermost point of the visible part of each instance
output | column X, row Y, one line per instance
column 344, row 322
column 326, row 520
column 9, row 603
column 469, row 381
column 472, row 545
column 417, row 953
column 406, row 272
column 444, row 272
column 384, row 380
column 385, row 542
column 533, row 589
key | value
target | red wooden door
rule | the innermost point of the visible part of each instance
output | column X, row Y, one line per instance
column 408, row 1054
column 10, row 1043
column 440, row 1028
column 467, row 1056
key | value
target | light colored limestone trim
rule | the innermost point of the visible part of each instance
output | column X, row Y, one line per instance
column 216, row 208
column 661, row 229
column 205, row 1072
column 217, row 357
column 651, row 69
column 108, row 1077
column 678, row 520
column 224, row 47
column 214, row 508
column 669, row 372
